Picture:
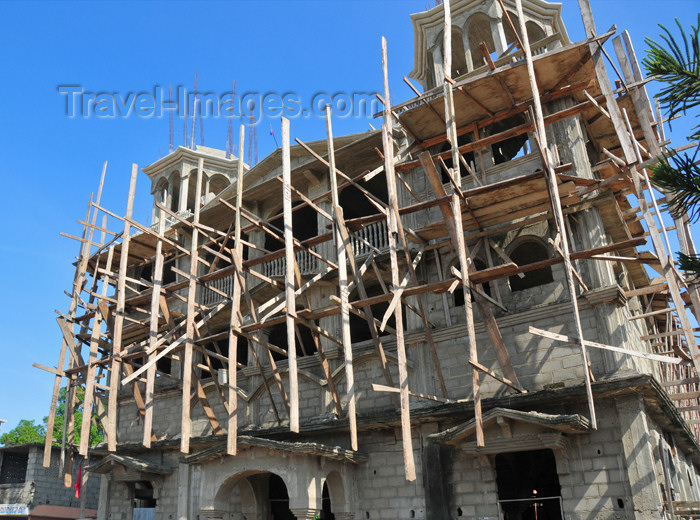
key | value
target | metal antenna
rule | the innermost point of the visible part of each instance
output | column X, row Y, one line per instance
column 229, row 137
column 171, row 129
column 194, row 113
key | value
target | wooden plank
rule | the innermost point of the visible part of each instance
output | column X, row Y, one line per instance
column 392, row 217
column 541, row 139
column 156, row 295
column 232, row 423
column 635, row 353
column 90, row 375
column 391, row 390
column 604, row 83
column 495, row 376
column 457, row 238
column 186, row 419
column 119, row 319
column 342, row 255
column 289, row 280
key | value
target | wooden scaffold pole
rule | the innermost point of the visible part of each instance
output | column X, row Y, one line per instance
column 232, row 426
column 541, row 139
column 186, row 422
column 392, row 217
column 290, row 299
column 343, row 286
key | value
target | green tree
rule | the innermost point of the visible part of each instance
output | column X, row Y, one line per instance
column 677, row 65
column 26, row 432
column 29, row 432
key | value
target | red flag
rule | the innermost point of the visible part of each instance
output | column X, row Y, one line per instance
column 79, row 481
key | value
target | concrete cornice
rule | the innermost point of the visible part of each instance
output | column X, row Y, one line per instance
column 187, row 154
column 434, row 17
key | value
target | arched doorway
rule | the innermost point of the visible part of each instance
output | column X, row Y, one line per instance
column 255, row 495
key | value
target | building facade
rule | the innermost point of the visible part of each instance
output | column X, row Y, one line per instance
column 28, row 490
column 454, row 381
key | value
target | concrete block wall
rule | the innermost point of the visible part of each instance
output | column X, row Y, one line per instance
column 45, row 485
column 382, row 490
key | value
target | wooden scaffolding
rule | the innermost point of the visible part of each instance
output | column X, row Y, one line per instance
column 119, row 328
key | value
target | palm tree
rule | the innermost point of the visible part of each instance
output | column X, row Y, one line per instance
column 677, row 65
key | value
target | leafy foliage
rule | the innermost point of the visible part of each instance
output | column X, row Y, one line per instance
column 26, row 432
column 679, row 175
column 29, row 432
column 678, row 66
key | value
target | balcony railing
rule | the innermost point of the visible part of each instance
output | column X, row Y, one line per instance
column 308, row 264
column 376, row 234
column 371, row 237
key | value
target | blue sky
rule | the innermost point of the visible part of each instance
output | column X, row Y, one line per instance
column 52, row 162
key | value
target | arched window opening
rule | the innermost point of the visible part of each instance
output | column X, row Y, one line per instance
column 526, row 253
column 459, row 56
column 355, row 203
column 174, row 191
column 217, row 184
column 510, row 35
column 468, row 157
column 535, row 33
column 509, row 149
column 219, row 349
column 169, row 275
column 279, row 499
column 359, row 329
column 162, row 193
column 326, row 512
column 458, row 294
column 304, row 226
column 303, row 341
column 478, row 31
column 192, row 189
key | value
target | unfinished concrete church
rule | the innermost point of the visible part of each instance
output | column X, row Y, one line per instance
column 471, row 312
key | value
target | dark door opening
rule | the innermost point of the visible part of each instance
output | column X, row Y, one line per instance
column 326, row 512
column 279, row 499
column 528, row 485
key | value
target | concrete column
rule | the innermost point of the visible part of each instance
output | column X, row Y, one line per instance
column 103, row 500
column 499, row 36
column 437, row 65
column 183, row 492
column 639, row 459
column 303, row 513
column 184, row 186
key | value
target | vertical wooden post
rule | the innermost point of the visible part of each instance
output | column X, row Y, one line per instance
column 90, row 377
column 556, row 202
column 343, row 285
column 289, row 279
column 232, row 427
column 115, row 372
column 393, row 216
column 77, row 286
column 190, row 332
column 603, row 81
column 153, row 333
